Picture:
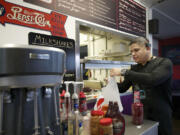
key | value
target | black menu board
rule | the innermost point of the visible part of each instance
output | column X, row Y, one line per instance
column 99, row 11
column 124, row 15
column 132, row 17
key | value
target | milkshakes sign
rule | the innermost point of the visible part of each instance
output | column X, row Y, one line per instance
column 68, row 45
column 19, row 15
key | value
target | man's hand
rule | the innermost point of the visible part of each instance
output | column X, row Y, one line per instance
column 115, row 72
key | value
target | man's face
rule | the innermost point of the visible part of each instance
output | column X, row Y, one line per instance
column 139, row 53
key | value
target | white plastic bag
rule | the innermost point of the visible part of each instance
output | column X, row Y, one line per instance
column 111, row 93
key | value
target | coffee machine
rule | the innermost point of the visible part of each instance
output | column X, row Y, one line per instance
column 30, row 77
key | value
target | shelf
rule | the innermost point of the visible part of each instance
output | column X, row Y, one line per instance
column 116, row 54
column 105, row 64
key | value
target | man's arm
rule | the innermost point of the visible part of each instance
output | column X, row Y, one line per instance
column 124, row 86
column 160, row 74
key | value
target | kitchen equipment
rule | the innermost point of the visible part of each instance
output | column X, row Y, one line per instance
column 29, row 81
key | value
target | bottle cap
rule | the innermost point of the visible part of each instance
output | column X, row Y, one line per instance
column 82, row 95
column 105, row 121
column 97, row 113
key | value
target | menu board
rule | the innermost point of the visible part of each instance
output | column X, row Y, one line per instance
column 124, row 15
column 132, row 17
column 98, row 11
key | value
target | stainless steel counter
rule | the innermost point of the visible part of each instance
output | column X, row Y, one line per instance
column 147, row 128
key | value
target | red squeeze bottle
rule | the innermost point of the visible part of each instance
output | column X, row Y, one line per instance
column 62, row 99
column 82, row 104
column 137, row 109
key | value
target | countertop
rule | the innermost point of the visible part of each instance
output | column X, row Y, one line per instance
column 147, row 128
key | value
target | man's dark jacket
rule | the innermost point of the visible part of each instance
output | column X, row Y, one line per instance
column 155, row 79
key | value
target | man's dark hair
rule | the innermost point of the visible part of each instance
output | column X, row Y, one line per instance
column 141, row 41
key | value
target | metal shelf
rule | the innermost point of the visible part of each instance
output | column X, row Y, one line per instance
column 105, row 64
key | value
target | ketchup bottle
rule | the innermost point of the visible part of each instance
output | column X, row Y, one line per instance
column 137, row 109
column 82, row 104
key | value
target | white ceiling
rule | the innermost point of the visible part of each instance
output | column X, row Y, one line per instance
column 168, row 14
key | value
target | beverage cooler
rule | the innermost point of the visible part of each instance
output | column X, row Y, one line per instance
column 30, row 77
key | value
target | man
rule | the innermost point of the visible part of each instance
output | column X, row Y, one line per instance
column 153, row 75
